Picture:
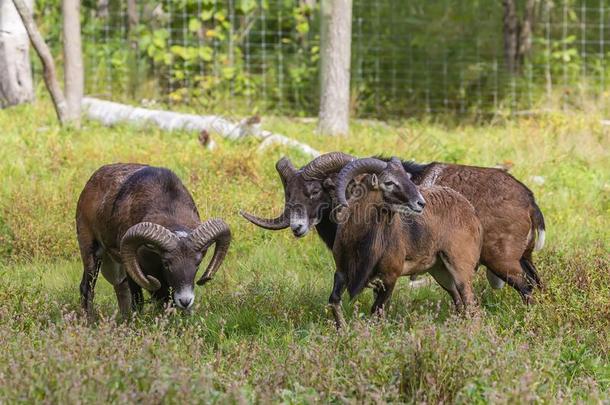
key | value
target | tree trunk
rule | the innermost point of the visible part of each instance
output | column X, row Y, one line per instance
column 15, row 71
column 511, row 35
column 48, row 66
column 527, row 28
column 335, row 58
column 517, row 34
column 73, row 59
column 132, row 15
column 102, row 8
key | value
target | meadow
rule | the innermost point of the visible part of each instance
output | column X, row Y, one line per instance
column 261, row 331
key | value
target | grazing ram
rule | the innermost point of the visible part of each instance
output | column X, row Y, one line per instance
column 387, row 233
column 140, row 225
column 506, row 207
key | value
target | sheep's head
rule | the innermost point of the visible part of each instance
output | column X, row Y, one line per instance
column 180, row 254
column 306, row 193
column 390, row 178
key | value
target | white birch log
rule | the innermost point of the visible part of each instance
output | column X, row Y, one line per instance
column 16, row 85
column 110, row 113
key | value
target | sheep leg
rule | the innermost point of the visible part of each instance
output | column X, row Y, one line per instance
column 494, row 281
column 91, row 267
column 510, row 258
column 382, row 295
column 445, row 280
column 462, row 276
column 376, row 284
column 531, row 273
column 513, row 273
column 466, row 293
column 137, row 296
column 334, row 301
column 123, row 296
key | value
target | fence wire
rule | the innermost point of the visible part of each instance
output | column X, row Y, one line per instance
column 408, row 57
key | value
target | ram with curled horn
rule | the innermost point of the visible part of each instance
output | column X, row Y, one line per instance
column 308, row 197
column 394, row 228
column 513, row 224
column 140, row 226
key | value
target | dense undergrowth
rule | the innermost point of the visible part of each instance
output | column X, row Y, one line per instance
column 260, row 331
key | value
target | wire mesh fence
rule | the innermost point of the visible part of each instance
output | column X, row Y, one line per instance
column 408, row 57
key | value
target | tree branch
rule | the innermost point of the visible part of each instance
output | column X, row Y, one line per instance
column 48, row 65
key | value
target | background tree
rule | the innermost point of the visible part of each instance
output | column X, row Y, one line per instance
column 15, row 70
column 335, row 58
column 517, row 33
column 48, row 66
column 73, row 59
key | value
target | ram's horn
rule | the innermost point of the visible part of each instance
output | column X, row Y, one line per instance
column 145, row 233
column 212, row 231
column 353, row 169
column 322, row 166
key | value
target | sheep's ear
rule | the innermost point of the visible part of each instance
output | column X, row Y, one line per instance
column 374, row 181
column 328, row 184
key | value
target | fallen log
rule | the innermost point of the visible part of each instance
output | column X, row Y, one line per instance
column 109, row 113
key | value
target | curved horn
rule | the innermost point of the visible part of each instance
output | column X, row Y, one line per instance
column 274, row 224
column 322, row 166
column 138, row 235
column 355, row 168
column 211, row 231
column 286, row 170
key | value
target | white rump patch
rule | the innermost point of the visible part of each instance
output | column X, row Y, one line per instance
column 181, row 234
column 540, row 240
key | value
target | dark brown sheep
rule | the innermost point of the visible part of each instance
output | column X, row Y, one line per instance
column 509, row 214
column 139, row 224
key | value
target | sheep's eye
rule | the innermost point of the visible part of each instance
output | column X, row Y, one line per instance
column 389, row 184
column 315, row 193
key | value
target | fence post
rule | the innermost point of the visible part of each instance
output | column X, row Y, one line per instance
column 335, row 57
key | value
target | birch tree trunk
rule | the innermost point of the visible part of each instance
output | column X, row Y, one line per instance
column 335, row 58
column 15, row 71
column 73, row 59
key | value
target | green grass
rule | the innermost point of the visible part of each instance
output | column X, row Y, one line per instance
column 260, row 332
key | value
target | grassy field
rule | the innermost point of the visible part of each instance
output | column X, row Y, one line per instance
column 260, row 331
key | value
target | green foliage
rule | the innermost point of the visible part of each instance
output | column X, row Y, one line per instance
column 205, row 53
column 259, row 332
column 252, row 55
